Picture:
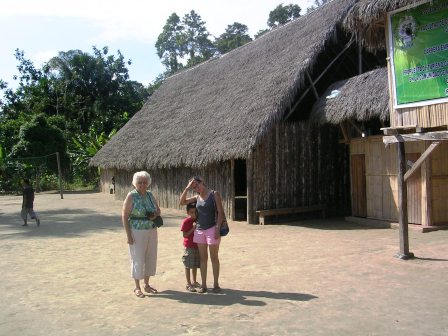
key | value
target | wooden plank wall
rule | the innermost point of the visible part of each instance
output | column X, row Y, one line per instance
column 424, row 116
column 299, row 165
column 440, row 184
column 381, row 179
column 106, row 180
column 168, row 184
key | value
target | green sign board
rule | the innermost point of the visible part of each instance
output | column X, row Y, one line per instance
column 419, row 52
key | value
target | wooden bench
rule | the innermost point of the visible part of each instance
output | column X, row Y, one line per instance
column 287, row 211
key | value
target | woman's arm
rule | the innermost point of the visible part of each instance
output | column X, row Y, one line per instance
column 125, row 212
column 183, row 197
column 220, row 209
column 156, row 204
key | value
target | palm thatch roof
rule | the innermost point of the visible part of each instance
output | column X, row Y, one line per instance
column 367, row 20
column 220, row 109
column 359, row 98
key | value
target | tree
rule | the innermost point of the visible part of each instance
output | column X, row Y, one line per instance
column 83, row 147
column 95, row 89
column 38, row 139
column 67, row 96
column 197, row 45
column 184, row 43
column 234, row 36
column 261, row 32
column 317, row 3
column 283, row 14
column 169, row 44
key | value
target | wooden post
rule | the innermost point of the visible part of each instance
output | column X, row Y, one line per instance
column 250, row 190
column 59, row 173
column 402, row 206
column 427, row 193
column 232, row 187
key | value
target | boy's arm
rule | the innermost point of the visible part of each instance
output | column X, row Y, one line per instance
column 187, row 233
column 185, row 227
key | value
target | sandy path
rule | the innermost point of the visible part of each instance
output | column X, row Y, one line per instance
column 71, row 277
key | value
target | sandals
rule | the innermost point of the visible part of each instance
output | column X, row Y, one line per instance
column 202, row 290
column 138, row 293
column 216, row 290
column 149, row 289
column 190, row 288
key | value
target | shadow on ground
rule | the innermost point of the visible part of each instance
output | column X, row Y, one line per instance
column 66, row 223
column 230, row 297
column 336, row 223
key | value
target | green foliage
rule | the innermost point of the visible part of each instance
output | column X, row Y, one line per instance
column 71, row 94
column 83, row 147
column 317, row 3
column 37, row 139
column 169, row 44
column 283, row 14
column 235, row 36
column 184, row 41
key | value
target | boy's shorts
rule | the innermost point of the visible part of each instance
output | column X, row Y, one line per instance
column 191, row 257
column 206, row 236
column 28, row 211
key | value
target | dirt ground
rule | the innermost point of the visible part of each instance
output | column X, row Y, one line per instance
column 71, row 276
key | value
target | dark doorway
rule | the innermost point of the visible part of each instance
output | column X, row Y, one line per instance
column 359, row 193
column 240, row 184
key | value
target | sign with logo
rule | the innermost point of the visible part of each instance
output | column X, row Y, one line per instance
column 418, row 45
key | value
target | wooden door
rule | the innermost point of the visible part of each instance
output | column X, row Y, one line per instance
column 414, row 184
column 359, row 195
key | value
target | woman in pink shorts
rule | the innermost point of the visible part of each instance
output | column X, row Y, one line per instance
column 206, row 235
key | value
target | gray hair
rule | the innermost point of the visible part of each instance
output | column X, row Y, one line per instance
column 141, row 174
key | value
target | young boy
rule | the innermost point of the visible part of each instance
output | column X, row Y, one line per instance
column 27, row 203
column 191, row 253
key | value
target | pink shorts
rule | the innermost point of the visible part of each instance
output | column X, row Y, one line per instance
column 206, row 237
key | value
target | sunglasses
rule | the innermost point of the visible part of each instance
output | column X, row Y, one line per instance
column 197, row 179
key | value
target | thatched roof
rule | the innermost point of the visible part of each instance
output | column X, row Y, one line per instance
column 366, row 19
column 220, row 109
column 359, row 98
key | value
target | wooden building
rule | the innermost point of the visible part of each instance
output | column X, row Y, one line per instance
column 240, row 121
column 415, row 157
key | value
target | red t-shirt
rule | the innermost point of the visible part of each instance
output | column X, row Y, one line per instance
column 187, row 224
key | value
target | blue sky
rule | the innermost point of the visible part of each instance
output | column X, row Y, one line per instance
column 42, row 28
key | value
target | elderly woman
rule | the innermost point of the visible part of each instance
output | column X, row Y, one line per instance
column 206, row 235
column 140, row 208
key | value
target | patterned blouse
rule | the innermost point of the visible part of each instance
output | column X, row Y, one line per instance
column 138, row 219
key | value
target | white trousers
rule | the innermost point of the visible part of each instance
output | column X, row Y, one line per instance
column 143, row 253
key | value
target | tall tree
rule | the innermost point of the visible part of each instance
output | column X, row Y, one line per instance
column 234, row 36
column 95, row 89
column 184, row 43
column 198, row 46
column 170, row 43
column 283, row 14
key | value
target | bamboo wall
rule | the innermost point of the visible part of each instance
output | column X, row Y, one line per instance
column 299, row 165
column 106, row 180
column 424, row 116
column 381, row 180
column 168, row 184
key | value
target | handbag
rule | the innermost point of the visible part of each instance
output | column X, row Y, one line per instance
column 158, row 221
column 224, row 229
